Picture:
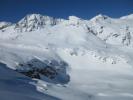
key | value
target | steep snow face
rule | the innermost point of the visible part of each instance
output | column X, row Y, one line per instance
column 34, row 22
column 113, row 31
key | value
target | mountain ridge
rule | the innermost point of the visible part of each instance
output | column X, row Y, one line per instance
column 113, row 31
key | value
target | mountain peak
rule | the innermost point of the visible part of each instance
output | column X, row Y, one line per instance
column 35, row 21
column 37, row 17
column 100, row 17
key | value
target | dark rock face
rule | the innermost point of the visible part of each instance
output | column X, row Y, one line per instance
column 51, row 71
column 36, row 72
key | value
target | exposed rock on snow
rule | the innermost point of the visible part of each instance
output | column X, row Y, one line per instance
column 51, row 71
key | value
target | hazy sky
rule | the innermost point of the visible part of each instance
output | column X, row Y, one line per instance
column 14, row 10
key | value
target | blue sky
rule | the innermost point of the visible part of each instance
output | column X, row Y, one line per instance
column 14, row 10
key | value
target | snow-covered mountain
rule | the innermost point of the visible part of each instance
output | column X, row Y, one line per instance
column 114, row 31
column 90, row 59
column 35, row 21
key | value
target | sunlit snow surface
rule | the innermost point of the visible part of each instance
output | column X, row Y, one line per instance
column 97, row 54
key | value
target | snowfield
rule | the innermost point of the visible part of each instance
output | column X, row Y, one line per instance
column 44, row 58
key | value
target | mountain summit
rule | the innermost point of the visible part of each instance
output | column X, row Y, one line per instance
column 35, row 21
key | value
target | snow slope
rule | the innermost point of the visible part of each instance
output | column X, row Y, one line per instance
column 72, row 58
column 14, row 86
